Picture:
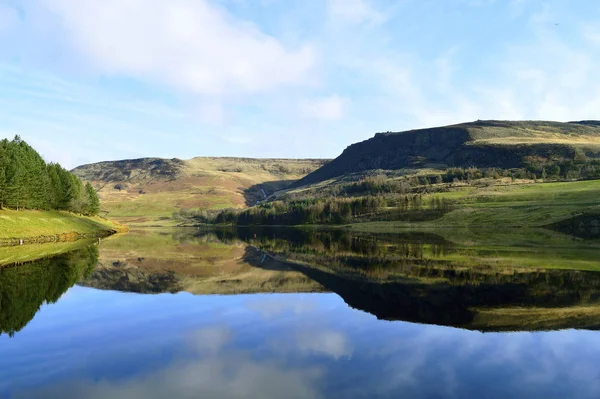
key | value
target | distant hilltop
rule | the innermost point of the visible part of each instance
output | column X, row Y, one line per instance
column 149, row 191
column 483, row 144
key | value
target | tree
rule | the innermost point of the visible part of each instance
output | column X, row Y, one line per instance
column 2, row 187
column 554, row 170
column 93, row 200
column 26, row 181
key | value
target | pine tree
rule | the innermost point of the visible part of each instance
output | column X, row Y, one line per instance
column 26, row 181
column 93, row 200
column 2, row 187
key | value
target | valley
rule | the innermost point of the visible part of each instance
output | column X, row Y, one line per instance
column 147, row 192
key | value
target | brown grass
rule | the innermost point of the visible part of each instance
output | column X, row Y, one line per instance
column 201, row 183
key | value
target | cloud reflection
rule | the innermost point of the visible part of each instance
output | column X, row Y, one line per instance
column 330, row 343
column 211, row 371
column 299, row 346
column 269, row 307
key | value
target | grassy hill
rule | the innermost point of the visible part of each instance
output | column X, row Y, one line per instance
column 484, row 173
column 148, row 191
column 33, row 226
column 483, row 144
column 565, row 204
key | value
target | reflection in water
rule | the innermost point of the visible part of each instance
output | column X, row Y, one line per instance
column 184, row 346
column 24, row 288
column 427, row 279
column 101, row 343
column 490, row 283
column 210, row 369
column 182, row 260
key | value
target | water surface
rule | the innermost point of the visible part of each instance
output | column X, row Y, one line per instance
column 304, row 314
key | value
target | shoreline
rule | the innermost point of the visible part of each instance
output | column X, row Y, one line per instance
column 60, row 237
column 26, row 227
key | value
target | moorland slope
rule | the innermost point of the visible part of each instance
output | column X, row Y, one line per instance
column 482, row 144
column 148, row 191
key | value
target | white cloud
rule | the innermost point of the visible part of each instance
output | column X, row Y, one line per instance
column 329, row 343
column 188, row 44
column 354, row 11
column 325, row 108
column 517, row 7
column 9, row 19
column 544, row 77
column 479, row 3
column 238, row 139
column 212, row 113
column 592, row 34
column 52, row 153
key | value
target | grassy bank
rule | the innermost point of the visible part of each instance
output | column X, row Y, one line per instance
column 44, row 226
column 485, row 203
column 526, row 205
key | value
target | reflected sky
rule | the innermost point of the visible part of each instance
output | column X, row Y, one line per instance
column 104, row 344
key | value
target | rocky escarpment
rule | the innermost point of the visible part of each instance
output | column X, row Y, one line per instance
column 130, row 170
column 483, row 144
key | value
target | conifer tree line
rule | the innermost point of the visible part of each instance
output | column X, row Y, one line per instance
column 27, row 181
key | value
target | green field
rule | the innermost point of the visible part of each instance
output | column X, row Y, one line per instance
column 28, row 225
column 524, row 205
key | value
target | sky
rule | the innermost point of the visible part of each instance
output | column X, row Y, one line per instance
column 86, row 81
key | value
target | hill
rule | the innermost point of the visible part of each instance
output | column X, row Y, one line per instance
column 483, row 144
column 148, row 191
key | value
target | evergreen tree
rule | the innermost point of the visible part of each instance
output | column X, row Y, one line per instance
column 26, row 181
column 2, row 186
column 93, row 200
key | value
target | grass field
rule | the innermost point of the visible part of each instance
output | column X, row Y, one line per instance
column 29, row 224
column 134, row 194
column 524, row 205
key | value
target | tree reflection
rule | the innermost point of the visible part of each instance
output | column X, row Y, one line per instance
column 24, row 288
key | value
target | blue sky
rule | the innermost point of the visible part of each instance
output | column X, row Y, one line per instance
column 87, row 80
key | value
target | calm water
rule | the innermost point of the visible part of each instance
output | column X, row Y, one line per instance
column 353, row 315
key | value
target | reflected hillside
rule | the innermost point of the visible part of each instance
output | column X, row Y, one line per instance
column 512, row 283
column 25, row 287
column 483, row 280
column 186, row 260
column 460, row 248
